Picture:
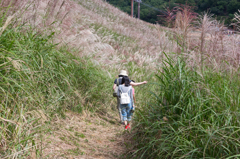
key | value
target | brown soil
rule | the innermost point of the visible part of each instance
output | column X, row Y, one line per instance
column 85, row 137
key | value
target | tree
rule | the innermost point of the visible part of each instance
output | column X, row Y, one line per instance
column 233, row 6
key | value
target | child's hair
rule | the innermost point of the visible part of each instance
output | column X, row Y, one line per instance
column 126, row 80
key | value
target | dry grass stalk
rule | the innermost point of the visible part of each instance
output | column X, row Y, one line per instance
column 8, row 21
column 183, row 21
column 16, row 63
column 10, row 121
column 205, row 23
column 237, row 19
column 169, row 16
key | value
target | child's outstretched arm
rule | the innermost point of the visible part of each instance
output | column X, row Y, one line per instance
column 137, row 84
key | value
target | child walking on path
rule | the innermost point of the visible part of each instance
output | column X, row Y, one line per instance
column 117, row 83
column 126, row 108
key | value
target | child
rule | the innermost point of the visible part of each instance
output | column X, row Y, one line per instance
column 126, row 107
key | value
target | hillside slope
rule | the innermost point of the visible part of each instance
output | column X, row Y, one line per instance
column 46, row 81
column 45, row 84
column 100, row 31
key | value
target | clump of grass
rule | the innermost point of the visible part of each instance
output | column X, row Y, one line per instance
column 76, row 151
column 39, row 81
column 190, row 115
column 81, row 135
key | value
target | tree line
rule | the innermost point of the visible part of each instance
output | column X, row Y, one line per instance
column 222, row 9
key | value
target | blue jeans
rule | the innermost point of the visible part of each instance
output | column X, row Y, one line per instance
column 126, row 111
column 119, row 109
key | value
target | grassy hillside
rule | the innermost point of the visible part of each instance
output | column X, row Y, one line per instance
column 100, row 31
column 40, row 81
column 58, row 56
column 190, row 115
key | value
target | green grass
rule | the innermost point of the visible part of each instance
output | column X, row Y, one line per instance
column 202, row 112
column 76, row 152
column 81, row 135
column 39, row 80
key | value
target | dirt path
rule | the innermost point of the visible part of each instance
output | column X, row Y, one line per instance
column 85, row 137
